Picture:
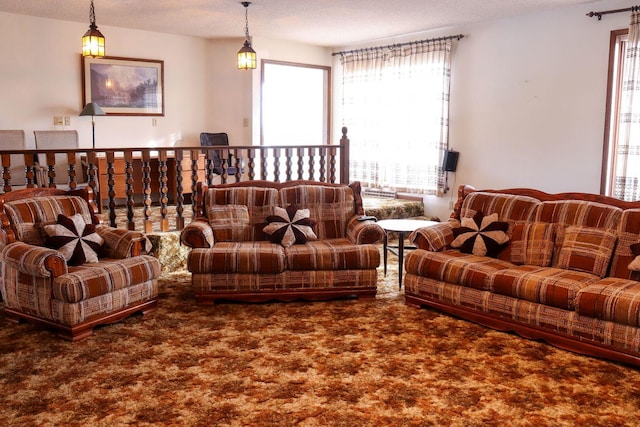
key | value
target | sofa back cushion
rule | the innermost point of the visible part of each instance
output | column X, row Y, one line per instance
column 330, row 207
column 532, row 243
column 579, row 212
column 509, row 207
column 259, row 202
column 29, row 216
column 229, row 223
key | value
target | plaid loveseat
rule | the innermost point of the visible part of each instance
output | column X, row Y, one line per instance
column 38, row 285
column 232, row 258
column 568, row 274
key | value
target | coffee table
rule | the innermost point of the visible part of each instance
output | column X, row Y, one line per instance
column 402, row 227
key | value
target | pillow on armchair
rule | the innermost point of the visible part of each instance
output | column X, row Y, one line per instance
column 75, row 239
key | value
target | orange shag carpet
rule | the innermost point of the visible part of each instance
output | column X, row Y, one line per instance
column 348, row 362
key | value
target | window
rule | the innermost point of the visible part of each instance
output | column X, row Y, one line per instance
column 295, row 104
column 618, row 45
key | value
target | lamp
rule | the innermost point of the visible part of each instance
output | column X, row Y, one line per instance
column 93, row 40
column 246, row 55
column 92, row 109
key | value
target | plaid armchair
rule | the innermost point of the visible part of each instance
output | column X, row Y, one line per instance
column 57, row 288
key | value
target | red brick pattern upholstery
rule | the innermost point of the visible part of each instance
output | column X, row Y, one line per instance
column 229, row 222
column 238, row 257
column 332, row 254
column 611, row 299
column 509, row 207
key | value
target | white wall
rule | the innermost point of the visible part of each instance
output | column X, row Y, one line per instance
column 528, row 101
column 40, row 77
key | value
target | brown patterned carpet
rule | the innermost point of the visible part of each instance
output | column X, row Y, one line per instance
column 350, row 363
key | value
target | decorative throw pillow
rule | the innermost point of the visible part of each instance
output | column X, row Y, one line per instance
column 481, row 235
column 533, row 243
column 587, row 249
column 289, row 226
column 76, row 240
column 635, row 264
column 229, row 222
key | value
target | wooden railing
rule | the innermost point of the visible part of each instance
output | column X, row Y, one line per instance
column 156, row 178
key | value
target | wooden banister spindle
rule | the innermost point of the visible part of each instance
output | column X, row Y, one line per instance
column 323, row 164
column 312, row 165
column 92, row 175
column 164, row 197
column 6, row 174
column 300, row 151
column 128, row 170
column 276, row 164
column 146, row 191
column 263, row 163
column 51, row 170
column 288, row 152
column 179, row 196
column 332, row 163
column 30, row 169
column 71, row 170
column 111, row 185
column 251, row 164
column 195, row 155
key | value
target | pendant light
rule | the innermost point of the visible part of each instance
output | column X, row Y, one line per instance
column 246, row 55
column 93, row 40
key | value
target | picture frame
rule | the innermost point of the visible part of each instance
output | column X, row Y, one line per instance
column 124, row 86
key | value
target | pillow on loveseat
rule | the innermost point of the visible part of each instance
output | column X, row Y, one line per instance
column 75, row 239
column 228, row 222
column 289, row 226
column 480, row 235
column 532, row 243
column 587, row 249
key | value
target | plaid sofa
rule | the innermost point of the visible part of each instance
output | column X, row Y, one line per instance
column 231, row 257
column 566, row 276
column 39, row 286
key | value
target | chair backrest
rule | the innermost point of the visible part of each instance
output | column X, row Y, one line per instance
column 58, row 140
column 212, row 140
column 14, row 140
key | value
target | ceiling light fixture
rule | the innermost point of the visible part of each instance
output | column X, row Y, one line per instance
column 246, row 55
column 93, row 40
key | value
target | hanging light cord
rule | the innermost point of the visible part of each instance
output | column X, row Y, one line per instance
column 246, row 19
column 92, row 15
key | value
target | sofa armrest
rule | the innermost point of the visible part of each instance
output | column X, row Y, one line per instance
column 364, row 232
column 434, row 238
column 34, row 260
column 197, row 234
column 121, row 243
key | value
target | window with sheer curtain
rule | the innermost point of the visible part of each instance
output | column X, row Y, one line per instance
column 396, row 107
column 621, row 163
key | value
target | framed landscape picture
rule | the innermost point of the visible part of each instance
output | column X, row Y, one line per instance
column 124, row 86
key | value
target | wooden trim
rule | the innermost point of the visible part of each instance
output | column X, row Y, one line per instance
column 284, row 295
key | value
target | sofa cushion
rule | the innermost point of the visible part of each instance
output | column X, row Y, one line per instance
column 331, row 206
column 635, row 250
column 238, row 257
column 332, row 254
column 579, row 212
column 229, row 222
column 555, row 287
column 454, row 267
column 585, row 249
column 611, row 299
column 532, row 243
column 76, row 240
column 290, row 226
column 480, row 235
column 105, row 277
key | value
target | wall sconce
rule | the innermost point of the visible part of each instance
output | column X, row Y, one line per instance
column 246, row 55
column 93, row 40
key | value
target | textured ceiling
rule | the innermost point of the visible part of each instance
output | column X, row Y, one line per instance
column 317, row 22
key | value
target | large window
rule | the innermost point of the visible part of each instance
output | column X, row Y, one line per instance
column 396, row 106
column 295, row 104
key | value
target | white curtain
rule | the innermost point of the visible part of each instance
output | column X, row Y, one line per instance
column 396, row 107
column 627, row 151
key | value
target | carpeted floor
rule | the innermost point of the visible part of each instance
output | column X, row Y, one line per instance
column 349, row 363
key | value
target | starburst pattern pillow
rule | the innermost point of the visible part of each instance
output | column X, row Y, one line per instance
column 481, row 235
column 76, row 240
column 289, row 226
